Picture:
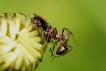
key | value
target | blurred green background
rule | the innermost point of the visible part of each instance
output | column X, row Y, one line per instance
column 85, row 18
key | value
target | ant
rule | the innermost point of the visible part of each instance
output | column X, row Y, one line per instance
column 51, row 34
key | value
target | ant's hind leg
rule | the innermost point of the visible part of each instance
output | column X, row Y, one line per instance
column 52, row 49
column 51, row 53
column 55, row 57
column 62, row 54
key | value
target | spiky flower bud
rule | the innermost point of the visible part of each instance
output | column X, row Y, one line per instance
column 21, row 46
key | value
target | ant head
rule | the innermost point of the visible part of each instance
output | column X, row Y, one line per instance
column 66, row 34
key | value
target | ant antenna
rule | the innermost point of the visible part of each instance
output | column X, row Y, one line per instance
column 74, row 39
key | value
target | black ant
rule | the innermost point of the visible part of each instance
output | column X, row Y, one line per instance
column 51, row 34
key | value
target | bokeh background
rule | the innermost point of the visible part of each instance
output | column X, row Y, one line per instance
column 85, row 18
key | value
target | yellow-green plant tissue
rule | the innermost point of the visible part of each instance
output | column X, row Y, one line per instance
column 21, row 44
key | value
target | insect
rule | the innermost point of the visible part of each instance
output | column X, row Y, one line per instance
column 51, row 34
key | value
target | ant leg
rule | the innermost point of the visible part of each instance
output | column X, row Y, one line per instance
column 51, row 53
column 60, row 55
column 46, row 43
column 52, row 49
column 51, row 42
column 63, row 54
column 55, row 57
